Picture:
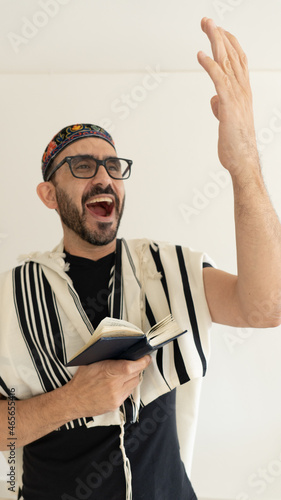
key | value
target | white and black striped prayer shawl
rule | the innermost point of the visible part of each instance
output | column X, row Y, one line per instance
column 43, row 324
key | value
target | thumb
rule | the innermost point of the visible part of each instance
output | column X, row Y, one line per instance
column 215, row 106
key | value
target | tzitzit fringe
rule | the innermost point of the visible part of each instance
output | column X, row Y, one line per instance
column 126, row 461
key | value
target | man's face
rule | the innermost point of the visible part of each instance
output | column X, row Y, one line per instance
column 91, row 208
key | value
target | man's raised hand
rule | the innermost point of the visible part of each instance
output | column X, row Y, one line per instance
column 232, row 105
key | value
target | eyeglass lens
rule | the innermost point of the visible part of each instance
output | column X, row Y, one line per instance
column 87, row 167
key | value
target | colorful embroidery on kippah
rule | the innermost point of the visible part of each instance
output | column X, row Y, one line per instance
column 68, row 135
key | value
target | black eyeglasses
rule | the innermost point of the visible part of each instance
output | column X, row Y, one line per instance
column 86, row 167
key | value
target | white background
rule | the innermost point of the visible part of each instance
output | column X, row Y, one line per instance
column 63, row 62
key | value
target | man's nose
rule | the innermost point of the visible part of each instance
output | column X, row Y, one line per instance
column 101, row 176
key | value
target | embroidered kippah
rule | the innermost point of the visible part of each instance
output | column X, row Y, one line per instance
column 68, row 135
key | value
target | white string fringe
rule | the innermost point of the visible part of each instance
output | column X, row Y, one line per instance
column 126, row 461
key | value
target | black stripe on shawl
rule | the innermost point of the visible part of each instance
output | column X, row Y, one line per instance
column 59, row 350
column 178, row 359
column 23, row 312
column 160, row 269
column 206, row 264
column 149, row 313
column 80, row 309
column 6, row 389
column 78, row 422
column 49, row 369
column 55, row 354
column 159, row 353
column 190, row 308
column 35, row 338
column 179, row 364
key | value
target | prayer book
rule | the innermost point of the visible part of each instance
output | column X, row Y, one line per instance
column 119, row 339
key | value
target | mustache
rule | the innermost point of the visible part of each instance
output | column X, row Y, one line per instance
column 96, row 190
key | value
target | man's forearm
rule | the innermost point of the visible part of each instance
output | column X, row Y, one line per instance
column 35, row 417
column 258, row 239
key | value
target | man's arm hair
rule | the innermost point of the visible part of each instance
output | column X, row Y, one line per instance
column 34, row 418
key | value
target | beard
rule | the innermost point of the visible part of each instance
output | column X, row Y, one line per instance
column 70, row 216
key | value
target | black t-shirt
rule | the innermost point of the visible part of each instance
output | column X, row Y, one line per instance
column 90, row 279
column 86, row 463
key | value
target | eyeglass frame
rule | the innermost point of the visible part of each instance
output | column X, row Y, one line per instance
column 68, row 159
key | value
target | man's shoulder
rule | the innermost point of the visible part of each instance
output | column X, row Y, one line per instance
column 53, row 259
column 8, row 273
column 158, row 245
column 168, row 252
column 149, row 243
column 7, row 276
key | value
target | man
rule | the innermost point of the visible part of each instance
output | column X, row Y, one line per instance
column 108, row 430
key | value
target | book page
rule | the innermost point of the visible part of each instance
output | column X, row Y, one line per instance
column 164, row 330
column 112, row 327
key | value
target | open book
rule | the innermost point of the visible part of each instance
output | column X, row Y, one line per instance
column 119, row 339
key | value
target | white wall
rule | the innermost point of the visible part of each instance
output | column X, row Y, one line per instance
column 78, row 67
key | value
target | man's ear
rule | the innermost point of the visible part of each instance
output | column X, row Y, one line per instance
column 47, row 193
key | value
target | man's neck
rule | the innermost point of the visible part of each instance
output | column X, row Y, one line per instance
column 84, row 249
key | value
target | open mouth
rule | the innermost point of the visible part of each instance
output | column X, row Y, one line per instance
column 101, row 206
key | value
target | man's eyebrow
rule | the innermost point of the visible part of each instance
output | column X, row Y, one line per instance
column 105, row 157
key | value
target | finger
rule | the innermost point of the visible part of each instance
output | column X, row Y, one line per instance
column 217, row 45
column 140, row 364
column 133, row 369
column 235, row 65
column 215, row 106
column 220, row 79
column 125, row 367
column 219, row 68
column 130, row 385
column 239, row 62
column 227, row 52
column 223, row 52
column 236, row 45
